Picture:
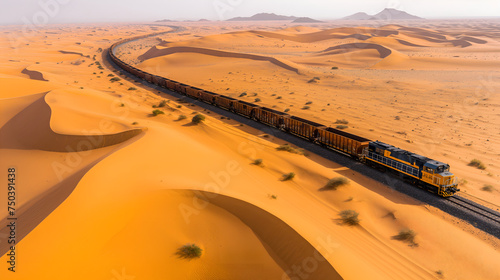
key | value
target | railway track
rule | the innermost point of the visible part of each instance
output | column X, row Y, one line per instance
column 475, row 208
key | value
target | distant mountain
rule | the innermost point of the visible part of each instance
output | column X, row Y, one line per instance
column 358, row 16
column 386, row 14
column 262, row 17
column 305, row 20
column 164, row 20
column 203, row 19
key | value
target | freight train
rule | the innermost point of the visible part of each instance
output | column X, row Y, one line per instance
column 429, row 174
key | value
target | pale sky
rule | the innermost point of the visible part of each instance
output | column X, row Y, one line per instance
column 76, row 11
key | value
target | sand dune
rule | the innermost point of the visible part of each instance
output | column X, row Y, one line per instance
column 42, row 137
column 383, row 51
column 155, row 52
column 265, row 225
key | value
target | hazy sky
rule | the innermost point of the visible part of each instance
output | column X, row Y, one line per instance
column 62, row 11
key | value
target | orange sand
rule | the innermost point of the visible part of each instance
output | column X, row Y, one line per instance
column 106, row 191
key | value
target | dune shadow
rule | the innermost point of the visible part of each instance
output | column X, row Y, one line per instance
column 283, row 243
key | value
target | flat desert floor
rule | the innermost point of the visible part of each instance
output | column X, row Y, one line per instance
column 105, row 190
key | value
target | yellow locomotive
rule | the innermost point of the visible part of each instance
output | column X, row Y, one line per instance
column 432, row 175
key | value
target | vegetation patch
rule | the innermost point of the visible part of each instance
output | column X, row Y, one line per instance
column 477, row 163
column 158, row 112
column 342, row 126
column 189, row 251
column 198, row 119
column 257, row 162
column 336, row 182
column 288, row 176
column 115, row 79
column 408, row 236
column 488, row 188
column 342, row 121
column 349, row 217
column 290, row 149
column 181, row 117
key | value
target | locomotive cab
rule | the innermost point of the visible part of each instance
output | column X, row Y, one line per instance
column 438, row 174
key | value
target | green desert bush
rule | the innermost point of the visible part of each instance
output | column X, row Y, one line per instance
column 198, row 119
column 406, row 235
column 115, row 79
column 257, row 161
column 488, row 188
column 290, row 149
column 342, row 121
column 336, row 182
column 477, row 163
column 157, row 112
column 163, row 103
column 189, row 251
column 181, row 117
column 342, row 126
column 132, row 88
column 349, row 217
column 288, row 176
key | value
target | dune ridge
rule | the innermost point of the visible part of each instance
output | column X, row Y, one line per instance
column 155, row 52
column 13, row 134
column 266, row 225
column 383, row 51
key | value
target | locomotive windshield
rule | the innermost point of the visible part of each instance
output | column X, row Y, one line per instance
column 443, row 168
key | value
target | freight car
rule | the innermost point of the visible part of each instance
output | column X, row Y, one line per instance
column 429, row 174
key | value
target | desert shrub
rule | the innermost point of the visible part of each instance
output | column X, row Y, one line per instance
column 477, row 163
column 335, row 68
column 111, row 75
column 309, row 102
column 287, row 110
column 198, row 119
column 122, row 105
column 189, row 251
column 306, row 107
column 243, row 94
column 274, row 196
column 157, row 112
column 257, row 100
column 115, row 79
column 406, row 235
column 290, row 149
column 288, row 176
column 135, row 123
column 279, row 97
column 181, row 117
column 257, row 161
column 179, row 106
column 336, row 182
column 397, row 118
column 488, row 188
column 440, row 274
column 163, row 103
column 342, row 126
column 349, row 217
column 342, row 121
column 132, row 88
